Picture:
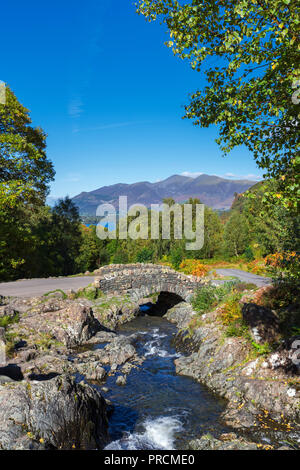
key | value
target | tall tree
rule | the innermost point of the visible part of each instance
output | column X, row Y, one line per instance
column 248, row 51
column 25, row 170
column 66, row 236
column 236, row 234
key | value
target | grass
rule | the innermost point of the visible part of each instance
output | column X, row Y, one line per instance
column 261, row 349
column 209, row 297
column 64, row 295
column 8, row 320
column 10, row 337
column 227, row 298
column 90, row 292
column 238, row 329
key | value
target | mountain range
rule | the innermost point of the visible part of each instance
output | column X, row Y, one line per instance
column 215, row 192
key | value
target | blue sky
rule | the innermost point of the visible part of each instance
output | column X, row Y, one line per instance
column 99, row 80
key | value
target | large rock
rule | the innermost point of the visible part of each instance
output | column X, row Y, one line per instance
column 181, row 314
column 263, row 322
column 57, row 413
column 67, row 322
column 250, row 382
column 118, row 351
column 8, row 311
column 225, row 442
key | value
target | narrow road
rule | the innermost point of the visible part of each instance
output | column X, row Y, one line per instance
column 38, row 287
column 244, row 276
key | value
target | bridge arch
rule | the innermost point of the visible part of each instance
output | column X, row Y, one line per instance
column 142, row 280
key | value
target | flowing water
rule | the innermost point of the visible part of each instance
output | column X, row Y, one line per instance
column 158, row 409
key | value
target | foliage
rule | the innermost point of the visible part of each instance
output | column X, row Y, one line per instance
column 90, row 292
column 231, row 310
column 261, row 349
column 237, row 329
column 7, row 320
column 145, row 255
column 253, row 85
column 120, row 257
column 25, row 170
column 236, row 235
column 93, row 252
column 285, row 262
column 176, row 256
column 65, row 236
column 208, row 297
column 279, row 295
column 248, row 253
column 193, row 267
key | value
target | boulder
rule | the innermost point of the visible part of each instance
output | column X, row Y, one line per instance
column 66, row 322
column 57, row 414
column 263, row 323
column 8, row 311
column 228, row 441
column 121, row 380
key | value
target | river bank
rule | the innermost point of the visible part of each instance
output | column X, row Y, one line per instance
column 142, row 386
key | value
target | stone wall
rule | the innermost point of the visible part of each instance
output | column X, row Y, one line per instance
column 142, row 280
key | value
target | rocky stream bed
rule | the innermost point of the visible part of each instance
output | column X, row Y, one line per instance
column 95, row 373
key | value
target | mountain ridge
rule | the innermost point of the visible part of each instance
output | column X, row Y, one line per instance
column 214, row 191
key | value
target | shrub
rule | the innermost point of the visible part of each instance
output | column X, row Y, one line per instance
column 145, row 255
column 89, row 292
column 120, row 257
column 287, row 263
column 176, row 256
column 194, row 267
column 7, row 320
column 261, row 349
column 238, row 329
column 248, row 254
column 209, row 297
column 231, row 310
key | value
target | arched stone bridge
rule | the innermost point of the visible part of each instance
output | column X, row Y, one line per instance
column 142, row 280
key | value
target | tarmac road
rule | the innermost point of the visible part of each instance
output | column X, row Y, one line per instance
column 38, row 287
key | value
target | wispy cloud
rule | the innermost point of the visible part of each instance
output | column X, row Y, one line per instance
column 113, row 125
column 190, row 174
column 75, row 107
column 250, row 176
column 72, row 178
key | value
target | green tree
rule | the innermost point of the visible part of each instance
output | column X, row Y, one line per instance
column 176, row 256
column 145, row 255
column 236, row 234
column 66, row 236
column 25, row 171
column 272, row 229
column 252, row 91
column 92, row 251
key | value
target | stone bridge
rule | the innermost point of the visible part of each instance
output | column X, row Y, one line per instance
column 142, row 280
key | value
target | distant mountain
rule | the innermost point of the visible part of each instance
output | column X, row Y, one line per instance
column 213, row 191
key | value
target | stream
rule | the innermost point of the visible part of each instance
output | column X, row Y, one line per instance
column 158, row 409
